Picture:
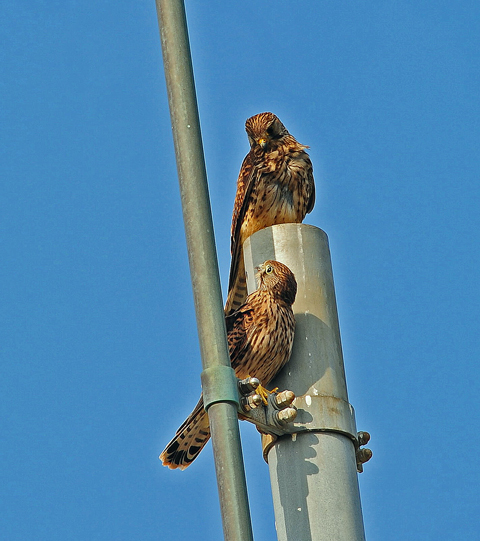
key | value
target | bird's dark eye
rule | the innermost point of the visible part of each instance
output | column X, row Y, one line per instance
column 269, row 269
column 270, row 131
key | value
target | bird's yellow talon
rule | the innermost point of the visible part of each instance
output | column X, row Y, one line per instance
column 263, row 393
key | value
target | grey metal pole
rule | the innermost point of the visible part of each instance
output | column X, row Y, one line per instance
column 218, row 378
column 313, row 473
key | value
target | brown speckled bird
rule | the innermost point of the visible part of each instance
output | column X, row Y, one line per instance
column 275, row 186
column 260, row 338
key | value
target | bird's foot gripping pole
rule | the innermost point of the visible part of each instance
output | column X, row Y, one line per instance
column 270, row 411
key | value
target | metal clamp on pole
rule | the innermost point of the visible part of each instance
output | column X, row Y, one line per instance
column 286, row 414
column 219, row 384
column 362, row 453
column 323, row 414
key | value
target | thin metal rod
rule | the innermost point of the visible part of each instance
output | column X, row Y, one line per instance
column 204, row 270
column 314, row 473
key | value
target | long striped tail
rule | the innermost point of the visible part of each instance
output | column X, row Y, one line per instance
column 189, row 440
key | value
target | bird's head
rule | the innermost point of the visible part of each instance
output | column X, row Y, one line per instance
column 265, row 130
column 276, row 278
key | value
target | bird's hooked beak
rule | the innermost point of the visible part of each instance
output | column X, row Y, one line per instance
column 262, row 141
column 258, row 276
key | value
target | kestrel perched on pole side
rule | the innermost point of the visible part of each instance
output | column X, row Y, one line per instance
column 275, row 186
column 260, row 337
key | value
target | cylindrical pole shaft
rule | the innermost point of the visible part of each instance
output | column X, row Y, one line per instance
column 313, row 474
column 197, row 217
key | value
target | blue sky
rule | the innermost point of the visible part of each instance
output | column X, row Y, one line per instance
column 100, row 361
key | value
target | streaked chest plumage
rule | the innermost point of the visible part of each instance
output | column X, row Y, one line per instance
column 281, row 192
column 270, row 338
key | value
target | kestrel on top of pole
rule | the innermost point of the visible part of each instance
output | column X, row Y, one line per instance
column 275, row 186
